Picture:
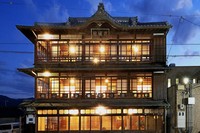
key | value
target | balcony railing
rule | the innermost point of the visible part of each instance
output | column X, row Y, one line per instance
column 75, row 95
column 76, row 59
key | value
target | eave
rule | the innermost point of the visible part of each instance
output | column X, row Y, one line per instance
column 83, row 103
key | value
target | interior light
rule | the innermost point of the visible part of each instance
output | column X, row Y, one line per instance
column 135, row 48
column 106, row 80
column 72, row 49
column 96, row 60
column 101, row 110
column 102, row 49
column 46, row 74
column 47, row 36
column 185, row 80
column 73, row 111
column 72, row 81
column 140, row 80
column 132, row 111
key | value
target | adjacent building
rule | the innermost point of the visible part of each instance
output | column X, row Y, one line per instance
column 98, row 73
column 184, row 99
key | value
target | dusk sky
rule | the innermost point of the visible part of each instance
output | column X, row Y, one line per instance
column 183, row 41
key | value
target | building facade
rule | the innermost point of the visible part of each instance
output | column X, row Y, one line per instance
column 184, row 97
column 99, row 74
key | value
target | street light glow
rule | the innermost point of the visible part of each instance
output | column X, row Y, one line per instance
column 186, row 80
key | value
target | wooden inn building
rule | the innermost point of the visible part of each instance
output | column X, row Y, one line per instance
column 98, row 74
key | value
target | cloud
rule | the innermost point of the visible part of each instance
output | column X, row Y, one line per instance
column 53, row 11
column 15, row 84
column 184, row 4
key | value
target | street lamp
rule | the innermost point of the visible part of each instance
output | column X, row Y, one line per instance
column 185, row 80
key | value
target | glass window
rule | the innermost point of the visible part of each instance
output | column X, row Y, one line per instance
column 74, row 122
column 42, row 124
column 95, row 122
column 106, row 122
column 142, row 124
column 85, row 122
column 63, row 123
column 42, row 88
column 134, row 122
column 121, row 86
column 126, row 122
column 141, row 87
column 54, row 87
column 168, row 82
column 117, row 122
column 52, row 123
column 70, row 86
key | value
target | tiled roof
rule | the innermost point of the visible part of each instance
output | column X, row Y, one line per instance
column 101, row 14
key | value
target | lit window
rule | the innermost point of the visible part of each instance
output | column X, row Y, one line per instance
column 101, row 89
column 96, row 60
column 169, row 82
column 101, row 49
column 101, row 110
column 132, row 111
column 72, row 50
column 46, row 74
column 73, row 111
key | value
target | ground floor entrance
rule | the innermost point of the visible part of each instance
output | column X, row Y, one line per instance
column 101, row 119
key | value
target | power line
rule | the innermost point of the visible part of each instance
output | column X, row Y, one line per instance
column 175, row 34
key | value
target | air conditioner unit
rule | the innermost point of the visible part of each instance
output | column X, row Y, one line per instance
column 181, row 106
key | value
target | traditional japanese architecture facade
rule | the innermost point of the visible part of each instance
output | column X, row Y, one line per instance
column 99, row 73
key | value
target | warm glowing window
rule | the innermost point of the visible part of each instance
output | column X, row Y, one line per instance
column 106, row 122
column 63, row 123
column 47, row 36
column 95, row 120
column 54, row 82
column 102, row 84
column 117, row 122
column 126, row 122
column 74, row 123
column 52, row 123
column 141, row 84
column 85, row 122
column 42, row 123
column 121, row 86
column 135, row 122
column 70, row 85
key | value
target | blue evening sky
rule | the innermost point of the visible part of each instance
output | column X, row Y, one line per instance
column 183, row 39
